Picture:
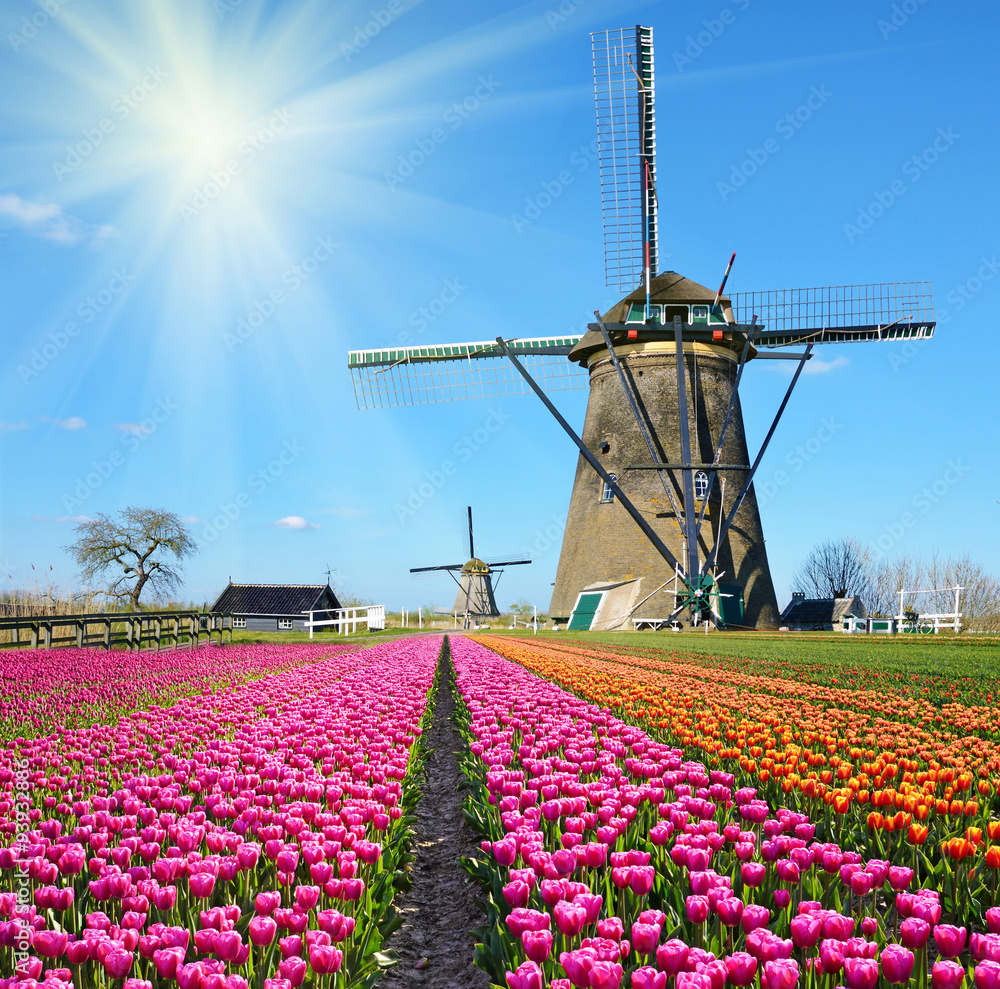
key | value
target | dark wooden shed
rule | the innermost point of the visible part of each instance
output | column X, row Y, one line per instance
column 275, row 607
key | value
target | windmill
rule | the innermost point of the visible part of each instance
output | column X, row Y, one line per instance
column 475, row 599
column 663, row 497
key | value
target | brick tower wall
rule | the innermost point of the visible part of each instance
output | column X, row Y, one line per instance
column 601, row 542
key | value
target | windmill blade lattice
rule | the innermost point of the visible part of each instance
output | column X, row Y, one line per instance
column 838, row 313
column 452, row 372
column 625, row 139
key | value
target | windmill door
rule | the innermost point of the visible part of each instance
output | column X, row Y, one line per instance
column 583, row 614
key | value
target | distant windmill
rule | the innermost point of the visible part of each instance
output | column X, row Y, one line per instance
column 475, row 599
column 663, row 442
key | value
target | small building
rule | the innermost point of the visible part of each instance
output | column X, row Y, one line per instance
column 274, row 607
column 804, row 614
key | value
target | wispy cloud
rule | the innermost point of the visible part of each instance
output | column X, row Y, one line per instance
column 295, row 522
column 12, row 427
column 135, row 428
column 61, row 518
column 72, row 423
column 819, row 366
column 49, row 222
column 191, row 520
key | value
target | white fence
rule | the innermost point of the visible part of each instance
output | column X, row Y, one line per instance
column 371, row 615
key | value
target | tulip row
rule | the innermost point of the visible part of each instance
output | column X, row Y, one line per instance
column 49, row 691
column 611, row 860
column 254, row 835
column 904, row 799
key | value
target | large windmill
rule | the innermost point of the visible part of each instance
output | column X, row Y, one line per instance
column 663, row 499
column 474, row 600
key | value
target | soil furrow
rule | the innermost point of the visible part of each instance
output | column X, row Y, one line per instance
column 440, row 909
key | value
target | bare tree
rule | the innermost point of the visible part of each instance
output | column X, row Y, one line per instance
column 889, row 575
column 133, row 552
column 836, row 568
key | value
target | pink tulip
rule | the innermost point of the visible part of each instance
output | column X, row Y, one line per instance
column 947, row 975
column 742, row 968
column 672, row 956
column 262, row 930
column 570, row 918
column 325, row 959
column 860, row 973
column 897, row 964
column 527, row 976
column 806, row 930
column 648, row 978
column 696, row 908
column 50, row 944
column 645, row 937
column 782, row 973
column 914, row 932
column 537, row 945
column 987, row 975
column 950, row 940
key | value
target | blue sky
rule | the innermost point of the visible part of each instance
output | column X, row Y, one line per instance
column 132, row 250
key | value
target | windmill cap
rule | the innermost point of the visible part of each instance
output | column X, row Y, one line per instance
column 475, row 565
column 665, row 288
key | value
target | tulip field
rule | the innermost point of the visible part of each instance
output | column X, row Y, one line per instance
column 249, row 828
column 241, row 817
column 653, row 819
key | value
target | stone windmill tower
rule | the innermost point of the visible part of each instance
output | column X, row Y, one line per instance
column 663, row 519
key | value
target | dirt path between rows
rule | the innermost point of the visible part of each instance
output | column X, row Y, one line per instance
column 440, row 909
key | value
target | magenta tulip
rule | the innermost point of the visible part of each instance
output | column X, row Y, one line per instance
column 897, row 963
column 947, row 975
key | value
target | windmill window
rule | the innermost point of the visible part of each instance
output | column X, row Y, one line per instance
column 699, row 314
column 669, row 312
column 608, row 492
column 239, row 623
column 701, row 485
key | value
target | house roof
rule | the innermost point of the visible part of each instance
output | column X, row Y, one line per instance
column 275, row 599
column 822, row 611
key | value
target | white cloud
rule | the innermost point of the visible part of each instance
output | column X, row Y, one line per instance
column 48, row 221
column 295, row 522
column 72, row 423
column 191, row 520
column 818, row 366
column 61, row 518
column 11, row 427
column 135, row 428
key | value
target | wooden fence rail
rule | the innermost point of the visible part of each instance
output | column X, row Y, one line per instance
column 131, row 630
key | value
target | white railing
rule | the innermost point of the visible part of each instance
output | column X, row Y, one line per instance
column 371, row 615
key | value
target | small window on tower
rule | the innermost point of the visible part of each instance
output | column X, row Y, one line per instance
column 636, row 313
column 608, row 492
column 701, row 485
column 699, row 314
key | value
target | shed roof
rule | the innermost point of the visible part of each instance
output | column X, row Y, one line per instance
column 822, row 611
column 275, row 599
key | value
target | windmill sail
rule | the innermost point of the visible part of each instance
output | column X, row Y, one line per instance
column 451, row 372
column 838, row 313
column 626, row 146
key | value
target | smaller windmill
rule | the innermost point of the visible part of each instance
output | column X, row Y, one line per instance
column 475, row 599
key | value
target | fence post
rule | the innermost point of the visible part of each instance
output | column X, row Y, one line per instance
column 159, row 629
column 107, row 635
column 79, row 635
column 34, row 635
column 48, row 635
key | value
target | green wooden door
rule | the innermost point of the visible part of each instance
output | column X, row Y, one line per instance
column 583, row 613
